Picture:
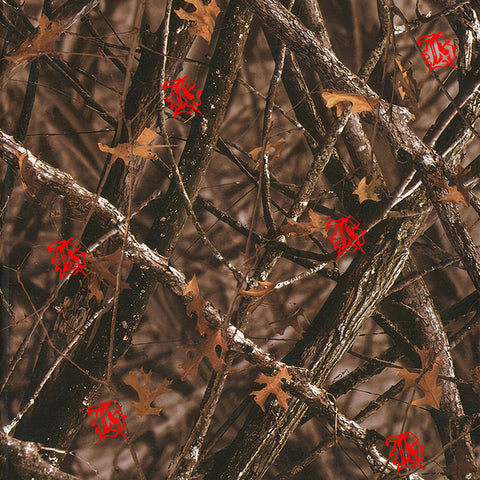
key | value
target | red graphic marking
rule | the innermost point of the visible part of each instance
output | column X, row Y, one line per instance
column 438, row 51
column 183, row 96
column 347, row 237
column 109, row 420
column 410, row 455
column 68, row 259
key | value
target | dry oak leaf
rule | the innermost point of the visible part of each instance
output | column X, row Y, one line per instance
column 145, row 395
column 427, row 382
column 27, row 175
column 206, row 349
column 291, row 320
column 317, row 223
column 42, row 42
column 276, row 149
column 204, row 16
column 195, row 305
column 101, row 266
column 407, row 88
column 475, row 372
column 94, row 290
column 367, row 191
column 141, row 147
column 458, row 193
column 454, row 196
column 261, row 290
column 359, row 103
column 273, row 385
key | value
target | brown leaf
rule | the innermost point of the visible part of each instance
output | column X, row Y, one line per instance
column 260, row 291
column 427, row 382
column 367, row 191
column 195, row 305
column 141, row 147
column 276, row 147
column 101, row 266
column 145, row 395
column 204, row 16
column 273, row 385
column 458, row 194
column 454, row 196
column 27, row 175
column 317, row 223
column 94, row 290
column 206, row 349
column 359, row 103
column 42, row 42
column 407, row 88
column 279, row 326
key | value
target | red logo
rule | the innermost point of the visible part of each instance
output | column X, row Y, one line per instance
column 109, row 420
column 410, row 454
column 183, row 96
column 68, row 259
column 438, row 52
column 346, row 238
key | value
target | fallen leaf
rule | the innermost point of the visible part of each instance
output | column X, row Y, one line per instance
column 261, row 290
column 141, row 147
column 101, row 266
column 359, row 103
column 27, row 175
column 94, row 290
column 454, row 196
column 276, row 147
column 42, row 41
column 427, row 382
column 367, row 191
column 145, row 395
column 195, row 305
column 317, row 223
column 206, row 349
column 204, row 16
column 273, row 385
column 407, row 88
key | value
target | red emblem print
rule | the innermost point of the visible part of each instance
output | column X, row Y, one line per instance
column 183, row 96
column 409, row 454
column 347, row 237
column 68, row 259
column 438, row 51
column 109, row 420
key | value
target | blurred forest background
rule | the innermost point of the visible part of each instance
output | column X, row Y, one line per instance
column 409, row 291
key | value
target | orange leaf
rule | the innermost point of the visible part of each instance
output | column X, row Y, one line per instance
column 195, row 305
column 101, row 266
column 454, row 196
column 273, row 385
column 206, row 349
column 42, row 42
column 317, row 223
column 359, row 104
column 367, row 191
column 141, row 147
column 260, row 291
column 145, row 395
column 407, row 88
column 204, row 16
column 27, row 175
column 427, row 382
column 276, row 147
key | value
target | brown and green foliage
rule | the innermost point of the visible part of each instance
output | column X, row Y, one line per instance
column 213, row 307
